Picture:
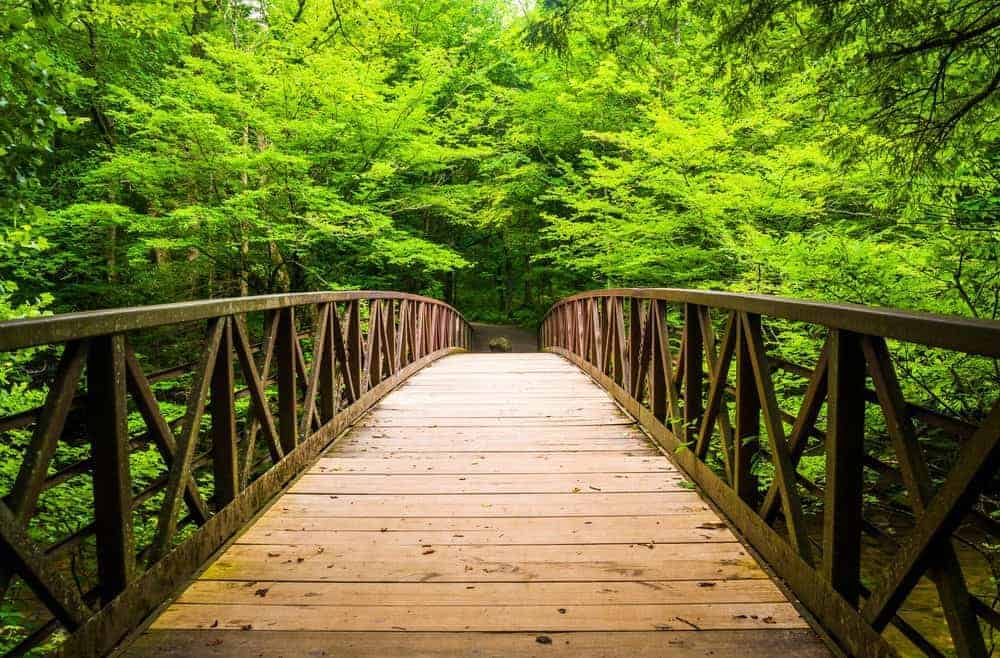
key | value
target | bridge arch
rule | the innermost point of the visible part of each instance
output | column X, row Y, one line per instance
column 270, row 381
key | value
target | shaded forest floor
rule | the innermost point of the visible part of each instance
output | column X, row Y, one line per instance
column 520, row 339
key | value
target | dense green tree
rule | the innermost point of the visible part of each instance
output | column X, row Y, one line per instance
column 500, row 155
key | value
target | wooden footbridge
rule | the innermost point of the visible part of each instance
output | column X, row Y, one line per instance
column 332, row 474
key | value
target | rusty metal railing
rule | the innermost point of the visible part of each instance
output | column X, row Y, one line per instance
column 267, row 382
column 677, row 360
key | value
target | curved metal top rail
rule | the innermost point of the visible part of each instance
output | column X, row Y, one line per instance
column 31, row 332
column 946, row 331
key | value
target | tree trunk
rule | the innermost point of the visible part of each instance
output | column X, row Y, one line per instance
column 112, row 254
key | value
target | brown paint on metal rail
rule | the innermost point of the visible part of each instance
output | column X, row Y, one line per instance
column 31, row 332
column 311, row 411
column 851, row 614
column 967, row 335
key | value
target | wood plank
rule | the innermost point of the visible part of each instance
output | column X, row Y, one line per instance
column 494, row 433
column 488, row 382
column 406, row 419
column 524, row 444
column 561, row 504
column 447, row 395
column 358, row 483
column 662, row 644
column 494, row 463
column 527, row 531
column 501, row 594
column 505, row 409
column 690, row 617
column 495, row 388
column 675, row 528
column 708, row 561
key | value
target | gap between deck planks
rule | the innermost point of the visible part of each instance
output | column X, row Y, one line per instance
column 494, row 505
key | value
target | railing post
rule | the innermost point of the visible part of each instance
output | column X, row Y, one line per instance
column 109, row 446
column 438, row 328
column 354, row 345
column 845, row 435
column 618, row 319
column 404, row 321
column 556, row 335
column 324, row 352
column 562, row 337
column 580, row 335
column 659, row 362
column 634, row 343
column 747, row 440
column 373, row 346
column 390, row 336
column 430, row 318
column 693, row 371
column 284, row 356
column 598, row 335
column 223, row 411
column 419, row 311
column 418, row 330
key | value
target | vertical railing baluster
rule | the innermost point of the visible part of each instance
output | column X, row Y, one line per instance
column 418, row 330
column 693, row 383
column 634, row 344
column 431, row 330
column 373, row 346
column 747, row 439
column 416, row 318
column 354, row 344
column 223, row 413
column 845, row 435
column 325, row 353
column 285, row 354
column 558, row 330
column 390, row 336
column 107, row 411
column 404, row 318
column 659, row 362
column 621, row 363
column 560, row 337
column 438, row 328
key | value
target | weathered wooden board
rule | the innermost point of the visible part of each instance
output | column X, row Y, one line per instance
column 685, row 616
column 496, row 505
column 559, row 504
column 671, row 529
column 479, row 446
column 463, row 463
column 497, row 434
column 525, row 483
column 470, row 564
column 214, row 643
column 409, row 419
column 505, row 594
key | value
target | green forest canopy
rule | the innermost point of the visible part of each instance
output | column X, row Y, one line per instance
column 498, row 155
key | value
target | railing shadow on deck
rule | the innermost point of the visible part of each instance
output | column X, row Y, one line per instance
column 675, row 359
column 179, row 458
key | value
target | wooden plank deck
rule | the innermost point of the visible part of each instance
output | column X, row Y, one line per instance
column 494, row 505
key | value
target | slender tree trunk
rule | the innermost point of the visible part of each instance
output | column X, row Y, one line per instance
column 508, row 282
column 244, row 273
column 526, row 273
column 112, row 254
column 281, row 278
